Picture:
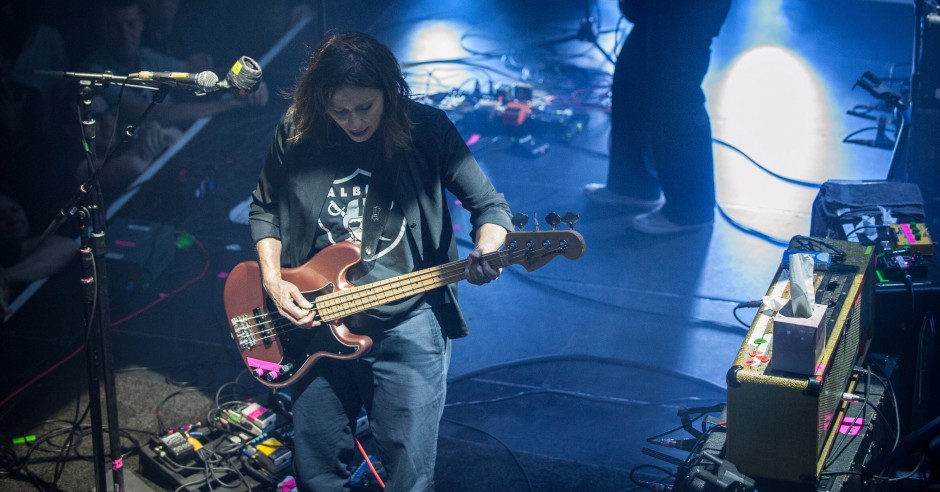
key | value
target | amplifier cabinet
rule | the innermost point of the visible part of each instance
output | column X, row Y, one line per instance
column 780, row 424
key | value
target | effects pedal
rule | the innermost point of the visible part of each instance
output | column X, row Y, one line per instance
column 273, row 450
column 259, row 416
column 176, row 446
column 528, row 146
column 362, row 480
column 897, row 266
column 913, row 237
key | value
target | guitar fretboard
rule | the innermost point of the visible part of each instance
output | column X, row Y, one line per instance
column 355, row 300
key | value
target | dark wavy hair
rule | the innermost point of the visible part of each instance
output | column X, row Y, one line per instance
column 350, row 59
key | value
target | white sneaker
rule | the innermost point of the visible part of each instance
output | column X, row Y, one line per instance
column 599, row 193
column 656, row 223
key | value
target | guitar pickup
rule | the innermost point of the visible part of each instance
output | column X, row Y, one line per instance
column 264, row 326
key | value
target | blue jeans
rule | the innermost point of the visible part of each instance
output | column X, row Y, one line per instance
column 401, row 383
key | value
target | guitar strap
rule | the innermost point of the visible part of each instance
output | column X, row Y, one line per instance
column 377, row 205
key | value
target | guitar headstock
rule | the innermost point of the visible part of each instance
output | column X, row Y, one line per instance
column 533, row 249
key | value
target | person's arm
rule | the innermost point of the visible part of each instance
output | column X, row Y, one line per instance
column 464, row 178
column 265, row 222
column 286, row 296
column 186, row 112
column 46, row 259
column 153, row 138
column 489, row 212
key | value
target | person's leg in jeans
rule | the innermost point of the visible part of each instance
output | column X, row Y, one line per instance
column 402, row 382
column 324, row 405
column 408, row 367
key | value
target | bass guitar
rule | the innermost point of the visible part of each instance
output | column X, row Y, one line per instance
column 278, row 352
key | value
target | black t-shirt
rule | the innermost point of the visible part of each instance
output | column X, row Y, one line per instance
column 341, row 219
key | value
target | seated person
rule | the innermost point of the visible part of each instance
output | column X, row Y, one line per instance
column 132, row 159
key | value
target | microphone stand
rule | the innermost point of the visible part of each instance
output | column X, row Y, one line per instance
column 89, row 204
column 901, row 167
column 585, row 32
column 321, row 12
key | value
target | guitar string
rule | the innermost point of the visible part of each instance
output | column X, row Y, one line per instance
column 351, row 300
column 345, row 302
column 445, row 275
column 445, row 272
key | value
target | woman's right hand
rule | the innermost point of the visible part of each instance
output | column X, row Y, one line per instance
column 291, row 303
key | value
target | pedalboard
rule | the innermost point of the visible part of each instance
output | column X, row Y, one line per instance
column 168, row 462
column 247, row 443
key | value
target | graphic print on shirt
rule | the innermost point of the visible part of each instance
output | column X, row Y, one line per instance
column 342, row 216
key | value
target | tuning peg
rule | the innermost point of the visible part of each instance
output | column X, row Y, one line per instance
column 553, row 220
column 570, row 218
column 520, row 220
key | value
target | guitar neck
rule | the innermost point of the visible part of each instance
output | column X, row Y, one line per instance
column 347, row 302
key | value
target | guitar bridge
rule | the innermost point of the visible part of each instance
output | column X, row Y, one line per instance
column 241, row 327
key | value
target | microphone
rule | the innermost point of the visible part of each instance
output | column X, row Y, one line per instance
column 244, row 76
column 202, row 81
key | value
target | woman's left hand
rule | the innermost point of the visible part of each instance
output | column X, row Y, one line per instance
column 489, row 239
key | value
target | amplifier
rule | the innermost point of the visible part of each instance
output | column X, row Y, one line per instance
column 863, row 435
column 903, row 329
column 780, row 423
